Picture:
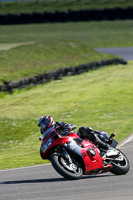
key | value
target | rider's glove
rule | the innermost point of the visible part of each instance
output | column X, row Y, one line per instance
column 59, row 124
column 67, row 128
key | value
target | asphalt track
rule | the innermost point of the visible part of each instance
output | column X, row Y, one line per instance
column 124, row 52
column 43, row 182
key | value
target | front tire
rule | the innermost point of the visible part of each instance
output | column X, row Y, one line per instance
column 71, row 171
column 120, row 167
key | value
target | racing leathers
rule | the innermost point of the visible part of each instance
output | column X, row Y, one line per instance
column 84, row 133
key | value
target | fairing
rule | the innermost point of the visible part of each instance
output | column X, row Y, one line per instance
column 87, row 151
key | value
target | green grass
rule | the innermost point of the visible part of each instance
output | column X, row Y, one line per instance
column 93, row 34
column 44, row 47
column 60, row 5
column 101, row 99
column 39, row 58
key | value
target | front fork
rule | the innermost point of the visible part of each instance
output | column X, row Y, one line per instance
column 67, row 157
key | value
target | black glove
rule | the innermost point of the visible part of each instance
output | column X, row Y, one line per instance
column 67, row 128
column 59, row 124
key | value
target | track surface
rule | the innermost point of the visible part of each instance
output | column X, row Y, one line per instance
column 42, row 182
column 124, row 52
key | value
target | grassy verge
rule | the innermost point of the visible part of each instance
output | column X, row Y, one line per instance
column 32, row 49
column 60, row 5
column 40, row 58
column 101, row 99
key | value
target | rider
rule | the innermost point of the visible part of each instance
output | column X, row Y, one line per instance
column 46, row 122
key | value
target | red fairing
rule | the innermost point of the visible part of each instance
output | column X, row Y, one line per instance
column 55, row 140
column 92, row 162
column 87, row 151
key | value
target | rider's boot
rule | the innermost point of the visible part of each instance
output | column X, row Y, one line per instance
column 100, row 143
column 88, row 132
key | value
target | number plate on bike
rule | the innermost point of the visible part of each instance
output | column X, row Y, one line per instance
column 114, row 143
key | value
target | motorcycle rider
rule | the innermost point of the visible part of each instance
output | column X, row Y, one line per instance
column 46, row 122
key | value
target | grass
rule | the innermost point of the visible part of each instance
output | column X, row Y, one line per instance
column 101, row 99
column 36, row 48
column 60, row 5
column 39, row 58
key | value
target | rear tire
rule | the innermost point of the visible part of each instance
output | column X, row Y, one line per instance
column 120, row 167
column 64, row 169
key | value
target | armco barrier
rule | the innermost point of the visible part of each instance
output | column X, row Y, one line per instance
column 69, row 15
column 9, row 86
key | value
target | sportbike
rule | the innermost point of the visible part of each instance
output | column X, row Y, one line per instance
column 73, row 157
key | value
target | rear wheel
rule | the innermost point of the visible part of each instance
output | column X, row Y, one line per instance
column 66, row 166
column 120, row 164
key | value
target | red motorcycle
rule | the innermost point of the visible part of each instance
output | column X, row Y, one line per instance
column 73, row 157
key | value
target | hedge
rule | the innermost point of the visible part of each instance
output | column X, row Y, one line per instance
column 60, row 16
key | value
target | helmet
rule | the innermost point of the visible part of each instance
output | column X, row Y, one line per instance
column 45, row 122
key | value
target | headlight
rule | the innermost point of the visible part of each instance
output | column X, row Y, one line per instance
column 46, row 145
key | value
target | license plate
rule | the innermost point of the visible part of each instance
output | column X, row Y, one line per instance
column 114, row 143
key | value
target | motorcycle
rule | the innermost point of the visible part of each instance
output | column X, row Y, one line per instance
column 73, row 157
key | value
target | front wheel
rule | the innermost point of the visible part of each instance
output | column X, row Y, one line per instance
column 120, row 164
column 69, row 170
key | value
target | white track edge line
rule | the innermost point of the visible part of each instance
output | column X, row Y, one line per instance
column 126, row 141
